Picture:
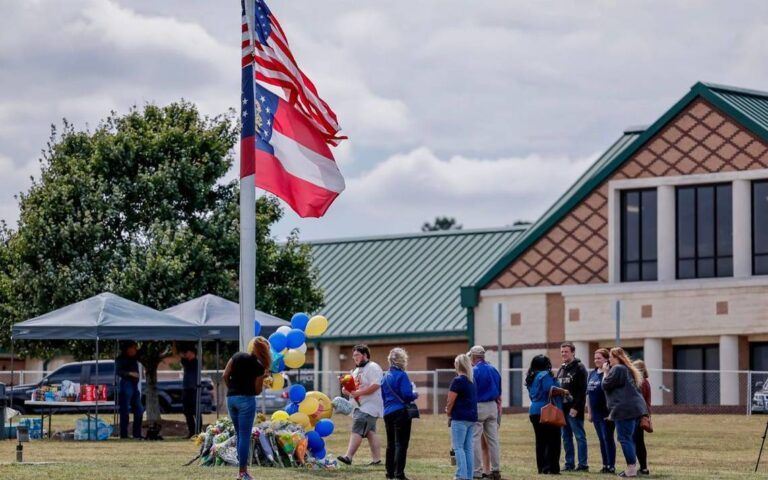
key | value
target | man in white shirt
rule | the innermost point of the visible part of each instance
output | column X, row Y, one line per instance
column 367, row 396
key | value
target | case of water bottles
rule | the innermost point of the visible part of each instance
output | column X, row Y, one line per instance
column 35, row 426
column 100, row 430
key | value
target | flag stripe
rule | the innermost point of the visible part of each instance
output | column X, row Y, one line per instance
column 303, row 163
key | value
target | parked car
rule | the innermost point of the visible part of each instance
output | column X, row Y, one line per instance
column 169, row 391
column 760, row 397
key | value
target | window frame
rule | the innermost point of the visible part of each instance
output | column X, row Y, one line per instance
column 623, row 263
column 752, row 219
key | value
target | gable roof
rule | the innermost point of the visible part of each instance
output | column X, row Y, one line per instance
column 404, row 285
column 748, row 107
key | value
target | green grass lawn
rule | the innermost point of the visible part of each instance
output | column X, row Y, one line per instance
column 683, row 446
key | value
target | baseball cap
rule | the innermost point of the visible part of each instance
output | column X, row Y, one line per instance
column 477, row 351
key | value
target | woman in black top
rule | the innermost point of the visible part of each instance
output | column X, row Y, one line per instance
column 244, row 376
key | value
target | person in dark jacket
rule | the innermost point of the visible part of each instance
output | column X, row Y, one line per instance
column 461, row 408
column 621, row 384
column 129, row 396
column 597, row 412
column 397, row 392
column 541, row 384
column 645, row 389
column 573, row 377
column 244, row 376
column 189, row 365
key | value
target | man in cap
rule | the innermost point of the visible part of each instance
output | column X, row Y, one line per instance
column 488, row 385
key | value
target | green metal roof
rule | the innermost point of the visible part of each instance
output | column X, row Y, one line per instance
column 748, row 107
column 404, row 285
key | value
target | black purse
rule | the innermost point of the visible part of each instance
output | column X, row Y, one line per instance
column 410, row 408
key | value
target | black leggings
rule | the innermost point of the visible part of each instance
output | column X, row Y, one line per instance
column 642, row 453
column 398, row 425
column 547, row 446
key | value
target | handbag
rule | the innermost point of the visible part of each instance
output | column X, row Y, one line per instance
column 410, row 408
column 645, row 423
column 551, row 415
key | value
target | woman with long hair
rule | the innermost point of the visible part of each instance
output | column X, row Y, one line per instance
column 397, row 392
column 462, row 411
column 621, row 384
column 542, row 385
column 645, row 389
column 597, row 412
column 244, row 376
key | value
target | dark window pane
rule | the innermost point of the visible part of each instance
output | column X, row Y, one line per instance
column 761, row 265
column 649, row 270
column 648, row 227
column 686, row 269
column 705, row 216
column 632, row 226
column 631, row 272
column 725, row 267
column 686, row 223
column 724, row 221
column 760, row 217
column 706, row 268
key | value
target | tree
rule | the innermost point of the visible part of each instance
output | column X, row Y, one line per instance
column 138, row 207
column 441, row 223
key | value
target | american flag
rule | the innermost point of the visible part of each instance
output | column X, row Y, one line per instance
column 266, row 47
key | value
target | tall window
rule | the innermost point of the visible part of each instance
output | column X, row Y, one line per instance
column 698, row 387
column 638, row 235
column 760, row 228
column 704, row 231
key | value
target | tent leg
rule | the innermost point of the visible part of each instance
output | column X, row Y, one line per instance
column 218, row 401
column 13, row 373
column 97, row 394
column 115, row 388
column 198, row 399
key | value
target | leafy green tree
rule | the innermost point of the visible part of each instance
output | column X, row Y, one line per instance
column 139, row 207
column 441, row 223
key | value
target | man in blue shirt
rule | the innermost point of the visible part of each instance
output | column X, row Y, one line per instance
column 488, row 384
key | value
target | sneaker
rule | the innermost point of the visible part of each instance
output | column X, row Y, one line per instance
column 495, row 475
column 372, row 464
column 611, row 470
column 244, row 476
column 344, row 460
column 567, row 468
column 582, row 468
column 643, row 471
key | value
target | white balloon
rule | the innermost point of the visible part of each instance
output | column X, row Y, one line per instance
column 285, row 329
column 302, row 348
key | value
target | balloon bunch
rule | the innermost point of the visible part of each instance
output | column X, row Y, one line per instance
column 288, row 344
column 312, row 411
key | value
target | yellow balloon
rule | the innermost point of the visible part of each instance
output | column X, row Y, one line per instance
column 317, row 326
column 278, row 382
column 279, row 416
column 309, row 406
column 300, row 419
column 325, row 410
column 294, row 358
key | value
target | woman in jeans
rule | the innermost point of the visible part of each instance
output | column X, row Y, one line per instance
column 645, row 389
column 597, row 412
column 541, row 384
column 621, row 384
column 397, row 392
column 462, row 411
column 244, row 376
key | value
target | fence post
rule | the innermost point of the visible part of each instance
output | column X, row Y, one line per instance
column 749, row 393
column 434, row 393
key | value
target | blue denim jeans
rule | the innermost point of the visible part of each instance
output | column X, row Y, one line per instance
column 242, row 411
column 461, row 442
column 604, row 430
column 129, row 399
column 625, row 432
column 574, row 427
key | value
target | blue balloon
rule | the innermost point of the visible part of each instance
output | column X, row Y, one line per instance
column 278, row 341
column 256, row 328
column 295, row 338
column 320, row 455
column 300, row 321
column 324, row 427
column 297, row 393
column 278, row 364
column 314, row 442
column 292, row 408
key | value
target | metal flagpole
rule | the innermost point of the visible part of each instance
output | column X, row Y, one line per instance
column 247, row 229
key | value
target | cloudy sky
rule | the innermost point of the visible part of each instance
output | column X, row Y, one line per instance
column 485, row 110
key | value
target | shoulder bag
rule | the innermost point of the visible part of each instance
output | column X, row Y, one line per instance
column 410, row 408
column 551, row 415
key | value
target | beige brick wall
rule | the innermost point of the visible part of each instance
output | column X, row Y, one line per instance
column 533, row 315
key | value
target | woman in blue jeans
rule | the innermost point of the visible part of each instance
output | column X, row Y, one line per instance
column 462, row 412
column 244, row 376
column 597, row 412
column 621, row 384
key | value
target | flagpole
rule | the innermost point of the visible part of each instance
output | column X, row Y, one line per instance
column 247, row 237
